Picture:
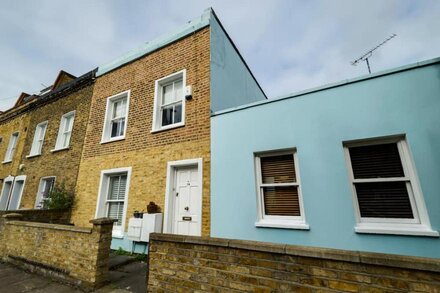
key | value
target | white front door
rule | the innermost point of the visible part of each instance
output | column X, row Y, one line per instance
column 188, row 202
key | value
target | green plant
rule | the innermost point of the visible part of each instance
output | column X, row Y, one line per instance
column 59, row 198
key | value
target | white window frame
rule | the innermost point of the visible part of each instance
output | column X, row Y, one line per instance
column 13, row 181
column 118, row 231
column 420, row 225
column 9, row 179
column 12, row 146
column 157, row 113
column 35, row 149
column 58, row 146
column 288, row 222
column 106, row 130
column 18, row 178
column 39, row 198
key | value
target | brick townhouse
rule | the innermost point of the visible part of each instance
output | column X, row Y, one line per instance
column 148, row 135
column 42, row 139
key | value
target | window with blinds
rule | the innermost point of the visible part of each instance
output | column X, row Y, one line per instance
column 116, row 197
column 382, row 188
column 278, row 186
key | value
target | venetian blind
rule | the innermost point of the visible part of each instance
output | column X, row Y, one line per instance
column 279, row 200
column 380, row 199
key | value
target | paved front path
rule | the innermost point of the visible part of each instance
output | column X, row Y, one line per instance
column 128, row 278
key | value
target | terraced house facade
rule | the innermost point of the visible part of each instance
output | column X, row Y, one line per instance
column 148, row 136
column 42, row 140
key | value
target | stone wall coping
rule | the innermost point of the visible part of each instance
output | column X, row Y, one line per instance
column 371, row 258
column 51, row 226
column 12, row 216
column 103, row 221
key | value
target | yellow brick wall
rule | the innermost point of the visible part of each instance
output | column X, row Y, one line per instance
column 195, row 264
column 146, row 152
column 62, row 164
column 76, row 255
column 18, row 123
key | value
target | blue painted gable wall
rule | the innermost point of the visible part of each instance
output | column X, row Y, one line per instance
column 232, row 83
column 405, row 102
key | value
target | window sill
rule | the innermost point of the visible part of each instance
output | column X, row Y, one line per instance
column 172, row 126
column 397, row 229
column 112, row 139
column 6, row 162
column 283, row 224
column 32, row 156
column 59, row 150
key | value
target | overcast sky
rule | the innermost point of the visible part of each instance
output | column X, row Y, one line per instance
column 289, row 45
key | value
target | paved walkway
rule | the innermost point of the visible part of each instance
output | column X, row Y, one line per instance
column 123, row 279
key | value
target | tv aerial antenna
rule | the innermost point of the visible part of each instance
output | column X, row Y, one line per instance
column 368, row 54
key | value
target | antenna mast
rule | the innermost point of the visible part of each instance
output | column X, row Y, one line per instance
column 369, row 53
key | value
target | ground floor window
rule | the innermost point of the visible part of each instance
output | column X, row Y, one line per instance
column 112, row 197
column 44, row 190
column 12, row 190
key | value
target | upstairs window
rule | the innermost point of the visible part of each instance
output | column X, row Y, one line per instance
column 11, row 147
column 115, row 124
column 387, row 196
column 37, row 144
column 169, row 102
column 65, row 131
column 279, row 192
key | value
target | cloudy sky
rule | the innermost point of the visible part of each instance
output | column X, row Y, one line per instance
column 289, row 45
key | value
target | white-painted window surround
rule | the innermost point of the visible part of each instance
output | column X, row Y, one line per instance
column 386, row 192
column 65, row 131
column 169, row 101
column 37, row 143
column 279, row 198
column 12, row 191
column 44, row 189
column 113, row 197
column 116, row 117
column 11, row 147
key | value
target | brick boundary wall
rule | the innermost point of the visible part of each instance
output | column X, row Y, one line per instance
column 53, row 216
column 74, row 255
column 201, row 264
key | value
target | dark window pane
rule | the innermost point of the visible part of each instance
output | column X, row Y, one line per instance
column 278, row 169
column 118, row 128
column 178, row 113
column 281, row 201
column 167, row 116
column 384, row 200
column 376, row 161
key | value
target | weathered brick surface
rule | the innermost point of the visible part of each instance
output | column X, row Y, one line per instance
column 24, row 119
column 17, row 123
column 146, row 152
column 54, row 216
column 77, row 255
column 62, row 164
column 195, row 264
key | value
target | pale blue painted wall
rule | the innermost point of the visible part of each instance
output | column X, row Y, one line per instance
column 406, row 102
column 127, row 245
column 232, row 84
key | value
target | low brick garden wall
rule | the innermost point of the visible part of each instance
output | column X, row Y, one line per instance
column 187, row 264
column 54, row 216
column 75, row 255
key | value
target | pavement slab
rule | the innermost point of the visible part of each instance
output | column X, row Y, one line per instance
column 126, row 276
